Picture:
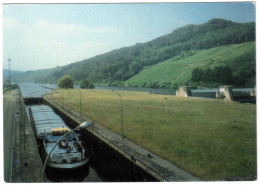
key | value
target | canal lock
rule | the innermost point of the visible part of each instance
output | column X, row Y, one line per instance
column 106, row 164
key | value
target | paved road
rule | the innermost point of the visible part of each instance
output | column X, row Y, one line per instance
column 8, row 114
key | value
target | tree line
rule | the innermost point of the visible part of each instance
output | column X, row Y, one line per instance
column 242, row 70
column 220, row 74
column 121, row 64
column 67, row 82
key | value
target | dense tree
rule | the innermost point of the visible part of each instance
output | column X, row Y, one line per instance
column 135, row 67
column 197, row 75
column 65, row 82
column 85, row 84
column 220, row 74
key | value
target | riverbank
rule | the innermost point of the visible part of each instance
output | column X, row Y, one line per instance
column 212, row 139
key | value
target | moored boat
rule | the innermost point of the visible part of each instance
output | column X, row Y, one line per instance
column 49, row 128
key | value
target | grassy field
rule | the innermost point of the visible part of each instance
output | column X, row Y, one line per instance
column 179, row 71
column 212, row 139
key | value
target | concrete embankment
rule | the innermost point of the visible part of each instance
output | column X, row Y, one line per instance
column 21, row 156
column 153, row 164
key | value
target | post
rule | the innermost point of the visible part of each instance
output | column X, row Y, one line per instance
column 80, row 102
column 62, row 98
column 122, row 120
column 24, row 114
column 9, row 71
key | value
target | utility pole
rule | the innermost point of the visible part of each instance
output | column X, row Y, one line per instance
column 9, row 71
column 62, row 98
column 80, row 101
column 122, row 119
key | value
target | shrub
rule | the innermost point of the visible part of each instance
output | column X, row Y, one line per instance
column 65, row 82
column 85, row 84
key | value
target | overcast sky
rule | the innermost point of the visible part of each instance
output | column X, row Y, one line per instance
column 46, row 35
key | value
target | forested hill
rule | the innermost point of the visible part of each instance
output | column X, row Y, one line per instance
column 12, row 73
column 122, row 64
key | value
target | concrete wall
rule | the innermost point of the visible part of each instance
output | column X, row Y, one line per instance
column 253, row 92
column 184, row 91
column 225, row 92
column 228, row 92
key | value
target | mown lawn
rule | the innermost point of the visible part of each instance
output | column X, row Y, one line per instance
column 212, row 139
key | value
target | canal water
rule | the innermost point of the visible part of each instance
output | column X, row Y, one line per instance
column 37, row 90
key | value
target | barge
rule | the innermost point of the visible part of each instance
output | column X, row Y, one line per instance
column 48, row 129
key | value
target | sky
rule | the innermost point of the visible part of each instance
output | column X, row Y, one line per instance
column 41, row 36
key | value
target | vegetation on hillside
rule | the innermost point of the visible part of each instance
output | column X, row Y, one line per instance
column 38, row 76
column 12, row 73
column 118, row 66
column 122, row 64
column 220, row 74
column 224, row 74
column 238, row 59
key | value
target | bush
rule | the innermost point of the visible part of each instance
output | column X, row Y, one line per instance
column 85, row 84
column 65, row 82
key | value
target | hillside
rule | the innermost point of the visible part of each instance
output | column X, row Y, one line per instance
column 178, row 70
column 118, row 66
column 37, row 76
column 13, row 73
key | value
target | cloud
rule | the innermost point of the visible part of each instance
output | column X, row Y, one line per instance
column 70, row 32
column 45, row 45
column 10, row 23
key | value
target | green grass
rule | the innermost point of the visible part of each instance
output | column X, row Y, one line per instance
column 212, row 139
column 180, row 71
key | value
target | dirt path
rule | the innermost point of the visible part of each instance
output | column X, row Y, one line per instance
column 8, row 115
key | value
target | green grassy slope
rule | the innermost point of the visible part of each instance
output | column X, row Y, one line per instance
column 179, row 71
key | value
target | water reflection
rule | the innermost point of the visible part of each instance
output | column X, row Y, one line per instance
column 33, row 90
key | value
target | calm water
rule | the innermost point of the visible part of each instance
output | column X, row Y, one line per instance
column 38, row 90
